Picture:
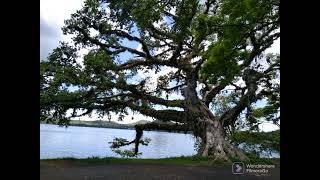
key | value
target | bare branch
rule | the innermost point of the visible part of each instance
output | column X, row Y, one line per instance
column 106, row 46
column 128, row 36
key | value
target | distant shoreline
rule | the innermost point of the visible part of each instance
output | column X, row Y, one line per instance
column 81, row 125
column 108, row 125
column 97, row 124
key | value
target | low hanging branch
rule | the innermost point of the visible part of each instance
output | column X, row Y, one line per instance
column 120, row 142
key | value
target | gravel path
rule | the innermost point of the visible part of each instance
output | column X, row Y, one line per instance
column 67, row 170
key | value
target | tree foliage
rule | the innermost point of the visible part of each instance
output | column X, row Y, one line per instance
column 210, row 45
column 259, row 143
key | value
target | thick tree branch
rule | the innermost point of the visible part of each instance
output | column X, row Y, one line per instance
column 173, row 88
column 231, row 116
column 251, row 78
column 138, row 94
column 140, row 62
column 164, row 127
column 209, row 95
column 160, row 34
column 163, row 115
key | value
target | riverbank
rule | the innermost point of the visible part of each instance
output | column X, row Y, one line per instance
column 178, row 168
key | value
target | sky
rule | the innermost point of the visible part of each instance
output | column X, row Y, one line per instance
column 52, row 16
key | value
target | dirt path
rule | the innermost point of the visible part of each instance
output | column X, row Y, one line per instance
column 67, row 170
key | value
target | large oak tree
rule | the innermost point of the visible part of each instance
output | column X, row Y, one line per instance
column 204, row 46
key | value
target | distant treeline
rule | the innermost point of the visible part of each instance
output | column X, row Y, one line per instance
column 102, row 124
column 110, row 124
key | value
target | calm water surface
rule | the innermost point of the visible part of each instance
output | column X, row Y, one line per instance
column 82, row 142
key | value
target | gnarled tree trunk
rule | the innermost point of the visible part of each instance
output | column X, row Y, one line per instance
column 216, row 146
column 214, row 143
column 208, row 127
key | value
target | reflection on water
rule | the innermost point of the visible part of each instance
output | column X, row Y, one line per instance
column 82, row 142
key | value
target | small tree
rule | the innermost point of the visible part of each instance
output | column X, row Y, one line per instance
column 205, row 47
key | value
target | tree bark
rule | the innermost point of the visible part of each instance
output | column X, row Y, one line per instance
column 213, row 139
column 216, row 146
column 208, row 127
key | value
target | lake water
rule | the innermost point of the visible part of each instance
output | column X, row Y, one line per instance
column 82, row 142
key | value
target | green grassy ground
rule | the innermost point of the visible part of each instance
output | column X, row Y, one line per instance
column 190, row 160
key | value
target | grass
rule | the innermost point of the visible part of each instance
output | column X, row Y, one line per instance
column 183, row 160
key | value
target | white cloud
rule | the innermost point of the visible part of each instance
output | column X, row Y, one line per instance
column 81, row 54
column 53, row 14
column 196, row 59
column 275, row 48
column 139, row 48
column 266, row 127
column 58, row 10
column 173, row 10
column 206, row 44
